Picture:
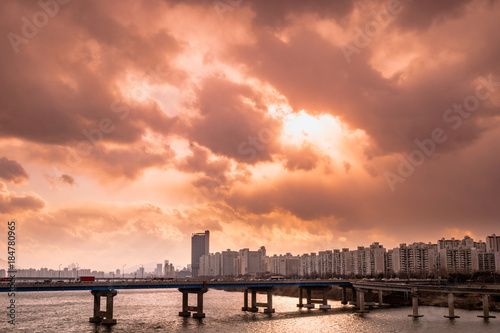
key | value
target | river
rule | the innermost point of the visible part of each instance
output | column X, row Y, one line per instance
column 157, row 311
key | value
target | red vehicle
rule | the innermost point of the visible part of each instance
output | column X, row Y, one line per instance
column 86, row 278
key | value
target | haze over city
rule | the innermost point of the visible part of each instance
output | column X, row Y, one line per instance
column 299, row 125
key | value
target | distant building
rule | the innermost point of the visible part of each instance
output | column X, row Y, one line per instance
column 325, row 263
column 199, row 247
column 493, row 243
column 251, row 262
column 210, row 265
column 169, row 270
column 308, row 264
column 286, row 265
column 159, row 269
column 467, row 256
column 345, row 262
column 229, row 264
column 415, row 259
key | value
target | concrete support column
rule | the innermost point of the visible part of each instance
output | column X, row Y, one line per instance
column 185, row 307
column 486, row 308
column 354, row 297
column 361, row 301
column 254, row 304
column 325, row 305
column 344, row 296
column 414, row 301
column 310, row 301
column 97, row 309
column 103, row 317
column 108, row 320
column 245, row 300
column 254, row 301
column 269, row 308
column 451, row 307
column 199, row 311
column 380, row 297
column 308, row 304
column 300, row 298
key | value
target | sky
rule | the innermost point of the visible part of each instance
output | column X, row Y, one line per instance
column 126, row 126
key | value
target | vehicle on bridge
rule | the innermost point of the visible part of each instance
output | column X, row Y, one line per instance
column 162, row 279
column 276, row 278
column 86, row 279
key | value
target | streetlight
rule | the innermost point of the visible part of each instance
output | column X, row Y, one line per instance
column 123, row 271
column 60, row 271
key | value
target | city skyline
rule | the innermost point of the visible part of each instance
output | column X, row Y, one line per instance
column 303, row 125
column 490, row 241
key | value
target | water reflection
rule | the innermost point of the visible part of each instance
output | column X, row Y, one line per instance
column 157, row 311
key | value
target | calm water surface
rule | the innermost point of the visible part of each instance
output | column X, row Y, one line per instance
column 157, row 311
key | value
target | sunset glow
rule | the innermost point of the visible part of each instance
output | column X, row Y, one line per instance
column 126, row 126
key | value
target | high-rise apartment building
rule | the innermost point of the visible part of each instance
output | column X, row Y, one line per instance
column 493, row 243
column 414, row 259
column 229, row 263
column 199, row 247
column 250, row 262
column 325, row 263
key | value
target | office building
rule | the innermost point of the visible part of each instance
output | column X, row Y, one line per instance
column 199, row 247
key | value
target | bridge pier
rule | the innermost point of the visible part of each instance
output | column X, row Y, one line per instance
column 486, row 308
column 361, row 301
column 369, row 299
column 414, row 302
column 103, row 317
column 310, row 301
column 380, row 297
column 451, row 307
column 186, row 309
column 354, row 297
column 245, row 301
column 255, row 305
column 344, row 296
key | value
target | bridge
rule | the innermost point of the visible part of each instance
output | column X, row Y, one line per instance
column 413, row 289
column 108, row 289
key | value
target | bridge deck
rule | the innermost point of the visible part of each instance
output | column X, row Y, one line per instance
column 64, row 286
column 403, row 287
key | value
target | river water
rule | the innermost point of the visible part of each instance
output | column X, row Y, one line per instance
column 157, row 311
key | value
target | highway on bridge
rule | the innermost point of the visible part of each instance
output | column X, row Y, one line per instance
column 64, row 286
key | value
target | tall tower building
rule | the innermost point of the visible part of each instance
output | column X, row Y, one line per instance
column 199, row 247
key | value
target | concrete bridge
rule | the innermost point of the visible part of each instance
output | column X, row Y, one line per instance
column 108, row 289
column 413, row 290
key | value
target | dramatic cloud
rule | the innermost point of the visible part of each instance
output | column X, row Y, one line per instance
column 233, row 122
column 303, row 158
column 10, row 202
column 298, row 125
column 12, row 171
column 90, row 90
